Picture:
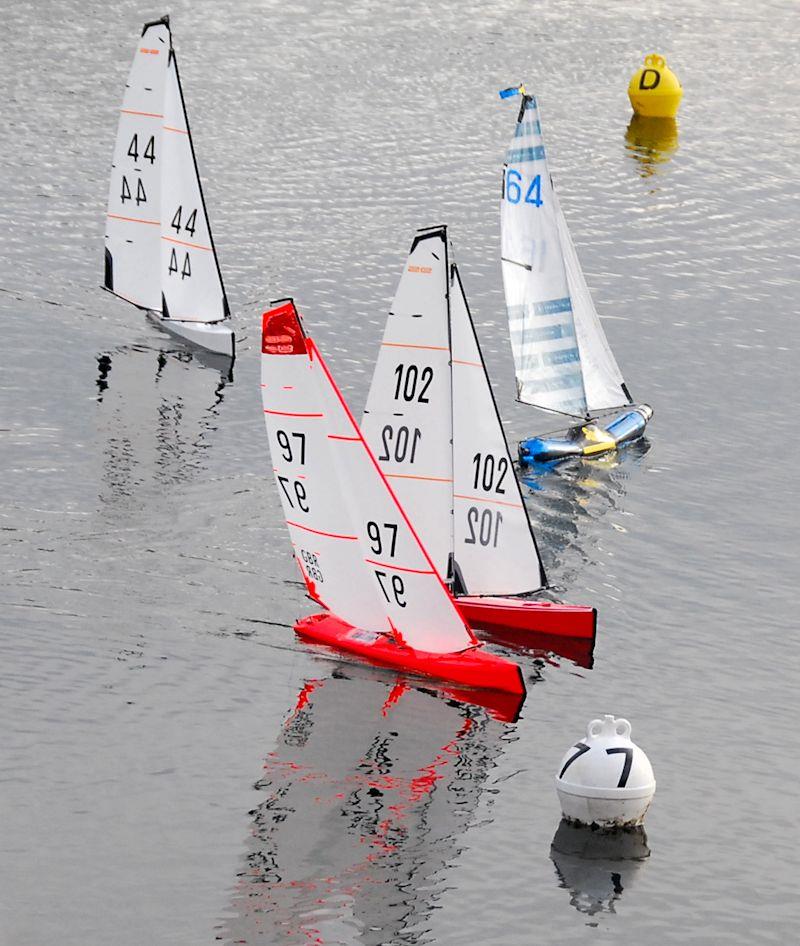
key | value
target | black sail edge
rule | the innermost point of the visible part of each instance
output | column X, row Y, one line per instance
column 225, row 305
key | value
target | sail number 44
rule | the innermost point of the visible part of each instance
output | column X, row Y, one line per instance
column 514, row 186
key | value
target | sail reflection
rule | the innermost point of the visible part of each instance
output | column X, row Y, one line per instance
column 367, row 795
column 651, row 142
column 156, row 409
column 597, row 867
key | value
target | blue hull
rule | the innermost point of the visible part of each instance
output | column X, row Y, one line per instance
column 587, row 440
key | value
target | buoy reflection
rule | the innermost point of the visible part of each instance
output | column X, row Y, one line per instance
column 595, row 866
column 651, row 142
column 366, row 796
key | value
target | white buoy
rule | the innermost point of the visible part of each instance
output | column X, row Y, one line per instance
column 605, row 779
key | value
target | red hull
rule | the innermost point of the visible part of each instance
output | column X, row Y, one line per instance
column 521, row 614
column 469, row 668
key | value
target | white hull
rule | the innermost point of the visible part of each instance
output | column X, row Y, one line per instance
column 215, row 337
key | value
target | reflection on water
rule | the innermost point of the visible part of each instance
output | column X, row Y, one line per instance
column 567, row 503
column 366, row 799
column 156, row 409
column 651, row 142
column 597, row 867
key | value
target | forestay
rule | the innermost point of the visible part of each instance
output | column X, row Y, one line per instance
column 602, row 380
column 537, row 293
column 133, row 220
column 408, row 415
column 356, row 549
column 495, row 551
column 190, row 278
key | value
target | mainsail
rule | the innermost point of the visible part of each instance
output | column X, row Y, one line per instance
column 159, row 250
column 562, row 358
column 358, row 552
column 432, row 422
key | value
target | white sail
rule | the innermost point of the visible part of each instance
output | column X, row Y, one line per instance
column 539, row 307
column 358, row 552
column 189, row 273
column 133, row 220
column 602, row 379
column 408, row 415
column 495, row 551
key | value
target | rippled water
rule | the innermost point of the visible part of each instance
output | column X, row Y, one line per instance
column 175, row 766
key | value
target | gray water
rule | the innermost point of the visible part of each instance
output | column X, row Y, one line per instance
column 175, row 767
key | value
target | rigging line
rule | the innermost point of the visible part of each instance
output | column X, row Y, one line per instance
column 505, row 259
column 540, row 407
column 586, row 420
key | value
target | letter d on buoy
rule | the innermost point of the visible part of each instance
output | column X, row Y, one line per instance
column 654, row 90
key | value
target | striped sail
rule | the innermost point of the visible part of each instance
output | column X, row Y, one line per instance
column 562, row 357
column 537, row 292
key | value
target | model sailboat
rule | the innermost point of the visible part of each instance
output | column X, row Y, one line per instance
column 359, row 554
column 563, row 361
column 160, row 255
column 432, row 422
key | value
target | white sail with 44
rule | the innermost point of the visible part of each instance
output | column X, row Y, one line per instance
column 160, row 254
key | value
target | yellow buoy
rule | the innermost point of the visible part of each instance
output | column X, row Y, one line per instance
column 654, row 90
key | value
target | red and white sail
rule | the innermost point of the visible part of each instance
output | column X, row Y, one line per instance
column 133, row 220
column 356, row 549
column 430, row 380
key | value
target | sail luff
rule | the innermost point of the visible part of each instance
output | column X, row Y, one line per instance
column 190, row 277
column 495, row 546
column 133, row 215
column 225, row 306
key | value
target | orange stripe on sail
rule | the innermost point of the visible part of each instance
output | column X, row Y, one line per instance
column 152, row 223
column 131, row 111
column 194, row 246
column 483, row 499
column 471, row 364
column 181, row 131
column 425, row 347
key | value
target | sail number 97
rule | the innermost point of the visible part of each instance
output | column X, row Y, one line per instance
column 514, row 185
column 295, row 493
column 401, row 444
column 293, row 446
column 382, row 539
column 412, row 384
column 484, row 526
column 395, row 586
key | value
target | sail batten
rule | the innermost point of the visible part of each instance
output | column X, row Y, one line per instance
column 562, row 359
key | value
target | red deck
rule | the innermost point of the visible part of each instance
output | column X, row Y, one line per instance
column 468, row 668
column 521, row 614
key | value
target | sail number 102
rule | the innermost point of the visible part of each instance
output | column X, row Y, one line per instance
column 533, row 195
